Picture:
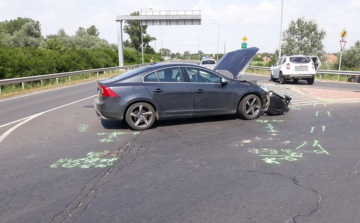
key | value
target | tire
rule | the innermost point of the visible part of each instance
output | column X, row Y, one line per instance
column 272, row 77
column 281, row 79
column 249, row 107
column 140, row 116
column 310, row 80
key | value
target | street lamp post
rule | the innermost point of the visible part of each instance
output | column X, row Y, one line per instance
column 199, row 47
column 161, row 49
column 217, row 56
column 281, row 21
column 142, row 40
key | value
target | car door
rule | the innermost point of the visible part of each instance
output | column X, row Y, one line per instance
column 170, row 91
column 210, row 95
column 275, row 70
column 317, row 62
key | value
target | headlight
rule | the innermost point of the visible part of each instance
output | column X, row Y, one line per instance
column 264, row 88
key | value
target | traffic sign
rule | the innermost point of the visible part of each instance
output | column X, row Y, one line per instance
column 343, row 34
column 243, row 45
column 244, row 39
column 342, row 44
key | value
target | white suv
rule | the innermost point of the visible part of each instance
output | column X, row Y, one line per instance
column 294, row 68
column 208, row 63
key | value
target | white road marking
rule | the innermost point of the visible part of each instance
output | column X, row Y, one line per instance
column 29, row 118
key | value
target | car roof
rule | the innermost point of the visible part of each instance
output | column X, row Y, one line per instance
column 156, row 66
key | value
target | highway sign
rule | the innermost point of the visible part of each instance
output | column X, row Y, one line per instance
column 343, row 34
column 244, row 39
column 243, row 45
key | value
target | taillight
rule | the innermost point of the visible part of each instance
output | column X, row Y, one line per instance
column 107, row 92
column 288, row 66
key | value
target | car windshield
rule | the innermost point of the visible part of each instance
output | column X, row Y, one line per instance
column 128, row 74
column 208, row 62
column 300, row 59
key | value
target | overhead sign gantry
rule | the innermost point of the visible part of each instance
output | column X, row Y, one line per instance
column 157, row 18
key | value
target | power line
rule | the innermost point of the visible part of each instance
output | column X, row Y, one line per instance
column 206, row 44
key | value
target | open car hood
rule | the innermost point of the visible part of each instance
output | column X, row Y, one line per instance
column 234, row 63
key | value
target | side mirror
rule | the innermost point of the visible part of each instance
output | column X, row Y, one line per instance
column 224, row 81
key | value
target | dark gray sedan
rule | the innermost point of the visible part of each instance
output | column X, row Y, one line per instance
column 180, row 90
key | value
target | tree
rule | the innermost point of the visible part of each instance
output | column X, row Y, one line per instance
column 93, row 31
column 303, row 37
column 186, row 54
column 351, row 57
column 133, row 29
column 80, row 32
column 12, row 26
column 28, row 36
column 165, row 52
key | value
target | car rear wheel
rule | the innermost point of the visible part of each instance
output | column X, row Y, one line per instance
column 140, row 116
column 281, row 79
column 310, row 80
column 249, row 107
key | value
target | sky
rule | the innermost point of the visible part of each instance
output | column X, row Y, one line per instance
column 258, row 20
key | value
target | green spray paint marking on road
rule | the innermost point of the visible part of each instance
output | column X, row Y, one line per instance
column 271, row 128
column 267, row 121
column 109, row 137
column 294, row 108
column 92, row 159
column 83, row 128
column 312, row 129
column 275, row 156
column 302, row 145
column 323, row 128
column 328, row 113
column 317, row 113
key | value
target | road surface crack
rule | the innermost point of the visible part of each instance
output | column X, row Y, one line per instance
column 297, row 183
column 88, row 194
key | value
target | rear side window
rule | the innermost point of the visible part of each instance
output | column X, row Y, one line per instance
column 170, row 75
column 151, row 78
column 300, row 59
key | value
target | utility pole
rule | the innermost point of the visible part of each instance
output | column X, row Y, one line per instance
column 161, row 49
column 142, row 40
column 199, row 47
column 281, row 21
column 217, row 56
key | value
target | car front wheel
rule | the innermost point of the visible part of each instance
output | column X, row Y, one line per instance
column 140, row 116
column 249, row 107
column 281, row 79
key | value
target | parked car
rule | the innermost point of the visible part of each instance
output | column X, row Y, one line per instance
column 294, row 68
column 180, row 90
column 208, row 63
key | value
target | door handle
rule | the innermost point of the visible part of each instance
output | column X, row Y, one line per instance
column 199, row 91
column 158, row 90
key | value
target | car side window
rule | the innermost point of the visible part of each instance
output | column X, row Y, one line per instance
column 202, row 76
column 151, row 77
column 170, row 75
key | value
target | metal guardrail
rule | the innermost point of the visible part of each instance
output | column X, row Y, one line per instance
column 334, row 72
column 56, row 76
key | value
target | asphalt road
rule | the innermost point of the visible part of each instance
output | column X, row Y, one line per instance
column 65, row 165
